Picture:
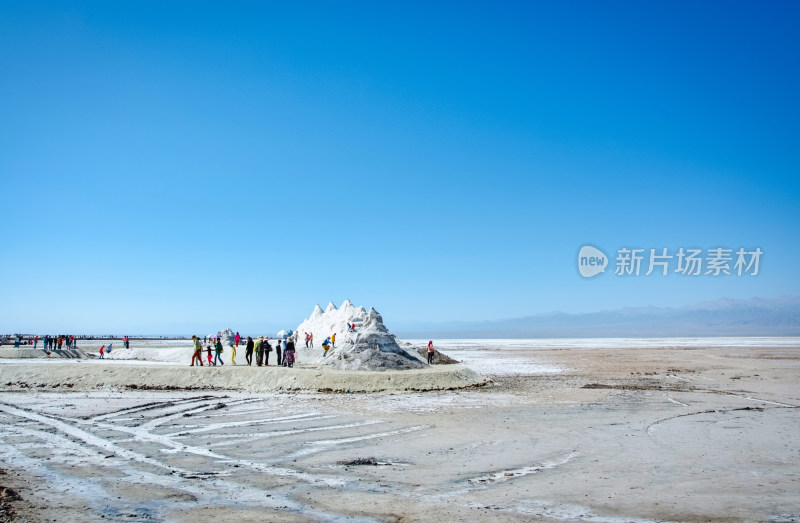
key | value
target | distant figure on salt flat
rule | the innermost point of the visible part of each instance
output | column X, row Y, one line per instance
column 197, row 353
column 267, row 350
column 430, row 352
column 35, row 340
column 325, row 346
column 333, row 340
column 208, row 350
column 218, row 352
column 311, row 339
column 278, row 352
column 259, row 348
column 308, row 338
column 288, row 353
column 238, row 338
column 248, row 350
column 284, row 344
column 101, row 351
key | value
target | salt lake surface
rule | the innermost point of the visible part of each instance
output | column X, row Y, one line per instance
column 585, row 430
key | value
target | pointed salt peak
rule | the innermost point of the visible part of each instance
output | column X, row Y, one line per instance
column 346, row 304
column 317, row 310
column 373, row 316
column 330, row 307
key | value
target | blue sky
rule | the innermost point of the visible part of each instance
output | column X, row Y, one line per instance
column 172, row 166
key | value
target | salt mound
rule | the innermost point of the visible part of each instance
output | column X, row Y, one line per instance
column 438, row 357
column 371, row 347
column 323, row 324
column 227, row 338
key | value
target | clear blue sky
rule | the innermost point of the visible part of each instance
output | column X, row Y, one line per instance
column 168, row 166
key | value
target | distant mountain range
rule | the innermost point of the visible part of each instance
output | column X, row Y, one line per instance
column 723, row 317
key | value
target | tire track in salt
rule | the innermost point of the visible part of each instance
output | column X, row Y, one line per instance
column 149, row 406
column 86, row 437
column 94, row 490
column 81, row 430
column 229, row 424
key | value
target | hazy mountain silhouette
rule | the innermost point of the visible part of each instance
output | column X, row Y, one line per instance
column 723, row 317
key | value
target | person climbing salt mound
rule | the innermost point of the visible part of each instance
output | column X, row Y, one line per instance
column 370, row 347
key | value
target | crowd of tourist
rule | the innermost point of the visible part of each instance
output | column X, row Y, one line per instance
column 261, row 348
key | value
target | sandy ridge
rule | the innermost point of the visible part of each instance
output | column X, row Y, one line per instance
column 27, row 375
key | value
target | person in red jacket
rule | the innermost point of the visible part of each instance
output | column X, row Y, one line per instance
column 237, row 339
